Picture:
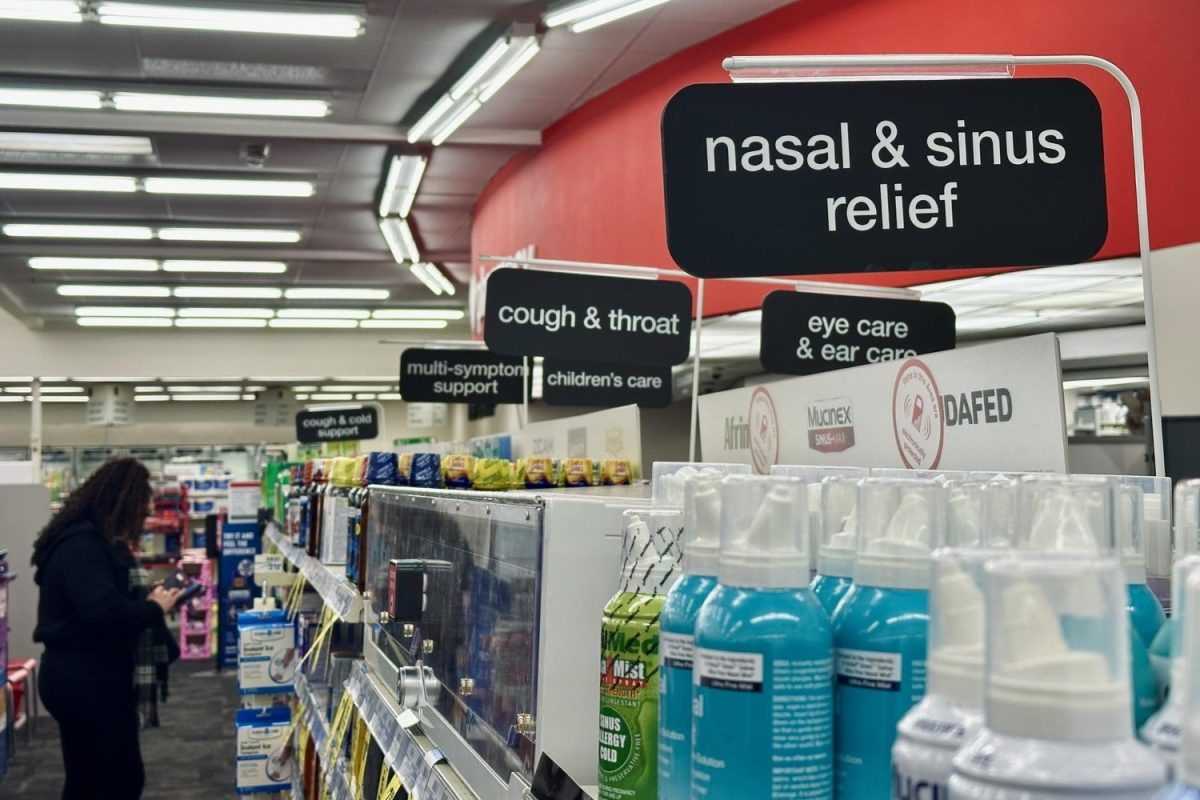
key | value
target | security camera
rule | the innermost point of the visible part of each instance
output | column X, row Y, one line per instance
column 255, row 154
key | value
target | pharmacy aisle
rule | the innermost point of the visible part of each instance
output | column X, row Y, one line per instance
column 195, row 734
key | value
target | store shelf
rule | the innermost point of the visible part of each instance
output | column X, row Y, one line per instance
column 422, row 767
column 337, row 593
column 336, row 776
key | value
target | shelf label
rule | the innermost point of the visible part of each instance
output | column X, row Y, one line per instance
column 573, row 383
column 611, row 320
column 460, row 376
column 804, row 333
column 863, row 176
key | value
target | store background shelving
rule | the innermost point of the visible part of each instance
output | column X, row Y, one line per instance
column 331, row 584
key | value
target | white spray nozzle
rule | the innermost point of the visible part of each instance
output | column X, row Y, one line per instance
column 702, row 526
column 651, row 550
column 764, row 529
column 846, row 537
column 908, row 531
column 1061, row 524
column 960, row 609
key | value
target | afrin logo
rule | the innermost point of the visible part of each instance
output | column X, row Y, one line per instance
column 764, row 431
column 831, row 425
column 918, row 421
column 737, row 433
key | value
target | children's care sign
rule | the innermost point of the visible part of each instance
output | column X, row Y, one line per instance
column 806, row 178
column 991, row 407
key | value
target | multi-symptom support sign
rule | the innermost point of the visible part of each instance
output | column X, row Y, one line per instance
column 460, row 376
column 804, row 333
column 805, row 178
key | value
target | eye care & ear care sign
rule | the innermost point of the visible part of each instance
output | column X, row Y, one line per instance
column 808, row 178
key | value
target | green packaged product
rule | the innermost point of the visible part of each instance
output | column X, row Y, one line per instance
column 628, row 725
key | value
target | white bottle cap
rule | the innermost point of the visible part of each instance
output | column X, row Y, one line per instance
column 651, row 550
column 833, row 562
column 701, row 539
column 1065, row 514
column 1058, row 648
column 956, row 625
column 668, row 478
column 1190, row 751
column 839, row 526
column 899, row 523
column 764, row 532
column 1187, row 518
column 979, row 513
column 1128, row 508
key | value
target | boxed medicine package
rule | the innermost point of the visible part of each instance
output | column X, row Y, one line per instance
column 266, row 652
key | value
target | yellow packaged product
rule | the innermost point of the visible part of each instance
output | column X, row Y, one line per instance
column 615, row 472
column 458, row 471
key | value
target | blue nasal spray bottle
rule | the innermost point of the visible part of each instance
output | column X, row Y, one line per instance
column 880, row 630
column 763, row 670
column 1188, row 770
column 1164, row 731
column 978, row 530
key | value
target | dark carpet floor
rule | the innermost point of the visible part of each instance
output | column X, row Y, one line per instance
column 190, row 757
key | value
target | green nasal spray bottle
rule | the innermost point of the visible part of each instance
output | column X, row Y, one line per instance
column 629, row 669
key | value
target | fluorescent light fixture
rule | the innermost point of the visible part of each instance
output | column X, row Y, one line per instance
column 220, row 322
column 75, row 143
column 41, row 10
column 305, row 388
column 110, row 379
column 496, row 67
column 364, row 397
column 206, row 104
column 347, row 379
column 95, row 264
column 389, row 396
column 335, row 293
column 433, row 278
column 301, row 397
column 322, row 313
column 39, row 230
column 151, row 398
column 48, row 390
column 314, row 323
column 1104, row 383
column 405, row 324
column 330, row 396
column 65, row 182
column 446, row 129
column 64, row 399
column 197, row 312
column 206, row 397
column 149, row 389
column 243, row 267
column 51, row 98
column 228, row 187
column 451, row 314
column 277, row 379
column 399, row 238
column 197, row 389
column 107, row 290
column 233, row 20
column 123, row 322
column 253, row 235
column 383, row 387
column 400, row 186
column 19, row 389
column 229, row 292
column 583, row 15
column 123, row 311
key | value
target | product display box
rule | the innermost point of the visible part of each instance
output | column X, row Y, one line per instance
column 498, row 596
column 264, row 755
column 267, row 653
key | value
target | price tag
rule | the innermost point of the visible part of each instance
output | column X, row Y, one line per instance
column 392, row 788
column 337, row 731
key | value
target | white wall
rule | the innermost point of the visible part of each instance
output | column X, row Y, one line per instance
column 1175, row 272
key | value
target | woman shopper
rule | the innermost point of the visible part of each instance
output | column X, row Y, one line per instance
column 104, row 632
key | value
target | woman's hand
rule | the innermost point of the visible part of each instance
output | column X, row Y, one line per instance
column 165, row 598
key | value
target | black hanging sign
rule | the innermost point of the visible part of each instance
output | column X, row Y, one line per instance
column 460, row 376
column 807, row 178
column 573, row 383
column 607, row 320
column 804, row 332
column 342, row 425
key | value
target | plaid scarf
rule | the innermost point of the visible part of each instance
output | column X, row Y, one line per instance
column 151, row 657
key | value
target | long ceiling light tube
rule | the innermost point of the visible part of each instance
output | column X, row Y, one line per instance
column 424, row 277
column 241, row 267
column 41, row 10
column 230, row 19
column 229, row 292
column 111, row 290
column 64, row 230
column 165, row 103
column 400, row 186
column 400, row 241
column 82, row 99
column 224, row 187
column 498, row 64
column 336, row 293
column 66, row 182
column 584, row 15
column 75, row 143
column 69, row 264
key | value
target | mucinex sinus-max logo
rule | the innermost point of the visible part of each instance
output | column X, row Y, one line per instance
column 831, row 425
column 918, row 421
column 764, row 431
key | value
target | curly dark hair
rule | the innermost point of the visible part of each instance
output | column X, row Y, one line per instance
column 114, row 499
